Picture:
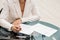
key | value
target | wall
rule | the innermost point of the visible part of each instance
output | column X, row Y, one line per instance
column 49, row 11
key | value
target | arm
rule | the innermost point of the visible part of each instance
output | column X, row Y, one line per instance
column 3, row 15
column 30, row 18
column 5, row 24
column 10, row 27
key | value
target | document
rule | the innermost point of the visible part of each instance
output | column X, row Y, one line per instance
column 26, row 29
column 42, row 29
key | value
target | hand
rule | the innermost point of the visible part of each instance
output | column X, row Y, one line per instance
column 15, row 28
column 17, row 22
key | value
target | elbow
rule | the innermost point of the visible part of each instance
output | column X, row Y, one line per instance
column 37, row 17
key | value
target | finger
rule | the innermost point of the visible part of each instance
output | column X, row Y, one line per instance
column 15, row 29
column 18, row 27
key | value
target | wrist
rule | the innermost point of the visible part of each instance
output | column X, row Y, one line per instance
column 17, row 19
column 17, row 22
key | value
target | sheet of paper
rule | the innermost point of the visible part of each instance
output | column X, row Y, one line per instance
column 26, row 29
column 47, row 31
column 42, row 29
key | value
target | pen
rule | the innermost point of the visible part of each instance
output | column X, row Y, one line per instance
column 1, row 10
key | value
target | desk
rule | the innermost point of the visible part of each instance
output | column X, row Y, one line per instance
column 38, row 36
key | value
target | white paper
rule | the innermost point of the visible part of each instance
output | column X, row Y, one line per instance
column 26, row 29
column 47, row 31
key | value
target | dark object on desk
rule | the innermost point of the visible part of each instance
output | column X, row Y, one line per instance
column 19, row 36
column 5, row 33
column 1, row 10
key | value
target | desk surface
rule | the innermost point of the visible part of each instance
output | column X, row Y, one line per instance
column 56, row 35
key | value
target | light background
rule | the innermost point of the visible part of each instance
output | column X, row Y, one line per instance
column 49, row 11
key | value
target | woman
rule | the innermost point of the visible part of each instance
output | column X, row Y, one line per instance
column 17, row 11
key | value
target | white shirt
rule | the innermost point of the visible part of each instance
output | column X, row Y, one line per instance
column 11, row 11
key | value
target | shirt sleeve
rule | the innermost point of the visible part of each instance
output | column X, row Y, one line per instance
column 5, row 24
column 30, row 19
column 3, row 16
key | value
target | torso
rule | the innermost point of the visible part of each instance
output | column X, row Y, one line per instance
column 22, row 5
